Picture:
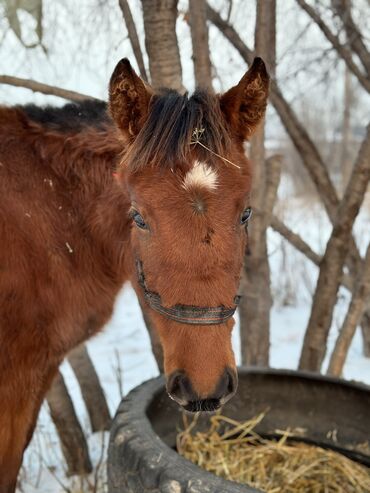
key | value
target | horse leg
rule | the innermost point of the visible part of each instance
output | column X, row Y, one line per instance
column 18, row 416
column 15, row 421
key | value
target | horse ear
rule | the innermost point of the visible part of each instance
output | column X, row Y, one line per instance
column 129, row 99
column 244, row 105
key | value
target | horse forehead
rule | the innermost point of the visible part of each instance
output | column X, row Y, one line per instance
column 201, row 175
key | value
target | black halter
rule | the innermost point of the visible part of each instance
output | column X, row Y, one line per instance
column 186, row 314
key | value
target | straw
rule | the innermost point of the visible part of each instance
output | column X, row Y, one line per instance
column 234, row 451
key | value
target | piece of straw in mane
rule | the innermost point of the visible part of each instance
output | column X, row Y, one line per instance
column 167, row 135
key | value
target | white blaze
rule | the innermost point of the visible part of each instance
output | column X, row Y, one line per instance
column 201, row 175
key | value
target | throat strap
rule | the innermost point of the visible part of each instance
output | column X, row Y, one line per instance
column 186, row 314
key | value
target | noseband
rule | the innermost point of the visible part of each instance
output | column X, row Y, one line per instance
column 185, row 314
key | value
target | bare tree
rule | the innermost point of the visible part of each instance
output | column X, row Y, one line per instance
column 343, row 9
column 160, row 18
column 352, row 320
column 346, row 129
column 331, row 267
column 304, row 145
column 91, row 388
column 199, row 37
column 70, row 433
column 256, row 300
column 343, row 51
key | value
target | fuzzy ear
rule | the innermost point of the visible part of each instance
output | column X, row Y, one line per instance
column 244, row 105
column 129, row 99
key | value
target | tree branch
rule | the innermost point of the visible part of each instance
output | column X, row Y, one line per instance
column 295, row 240
column 134, row 38
column 343, row 10
column 44, row 88
column 355, row 312
column 331, row 267
column 343, row 51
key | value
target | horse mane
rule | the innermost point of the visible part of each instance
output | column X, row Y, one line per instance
column 70, row 117
column 174, row 124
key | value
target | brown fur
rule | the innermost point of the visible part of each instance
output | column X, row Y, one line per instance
column 68, row 244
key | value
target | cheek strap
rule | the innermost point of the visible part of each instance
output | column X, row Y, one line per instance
column 185, row 314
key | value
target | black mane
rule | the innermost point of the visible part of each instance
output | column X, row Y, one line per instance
column 174, row 125
column 70, row 117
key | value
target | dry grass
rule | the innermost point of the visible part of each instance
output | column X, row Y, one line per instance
column 273, row 466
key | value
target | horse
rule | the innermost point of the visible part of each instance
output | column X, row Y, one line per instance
column 153, row 189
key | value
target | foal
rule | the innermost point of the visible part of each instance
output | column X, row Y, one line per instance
column 158, row 197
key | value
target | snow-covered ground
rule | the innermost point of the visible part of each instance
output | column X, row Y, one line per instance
column 124, row 346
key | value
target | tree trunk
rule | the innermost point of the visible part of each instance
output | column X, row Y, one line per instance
column 256, row 299
column 331, row 269
column 72, row 438
column 365, row 330
column 353, row 317
column 199, row 38
column 346, row 130
column 161, row 43
column 91, row 389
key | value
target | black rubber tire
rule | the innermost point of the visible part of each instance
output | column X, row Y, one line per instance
column 139, row 461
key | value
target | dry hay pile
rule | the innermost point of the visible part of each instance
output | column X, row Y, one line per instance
column 273, row 466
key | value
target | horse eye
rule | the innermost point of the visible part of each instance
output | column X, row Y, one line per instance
column 138, row 219
column 246, row 215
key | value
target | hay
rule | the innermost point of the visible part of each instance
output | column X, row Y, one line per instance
column 273, row 466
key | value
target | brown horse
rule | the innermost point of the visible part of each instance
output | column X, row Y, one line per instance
column 160, row 198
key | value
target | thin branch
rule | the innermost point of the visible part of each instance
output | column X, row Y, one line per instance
column 342, row 50
column 35, row 86
column 299, row 244
column 295, row 240
column 343, row 10
column 133, row 36
column 229, row 32
column 355, row 312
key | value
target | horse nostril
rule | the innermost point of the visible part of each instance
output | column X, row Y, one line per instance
column 233, row 382
column 227, row 385
column 179, row 387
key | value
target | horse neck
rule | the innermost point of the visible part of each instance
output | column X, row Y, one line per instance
column 87, row 161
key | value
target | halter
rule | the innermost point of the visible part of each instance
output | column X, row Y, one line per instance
column 185, row 314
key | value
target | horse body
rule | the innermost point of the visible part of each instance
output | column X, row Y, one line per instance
column 71, row 233
column 61, row 258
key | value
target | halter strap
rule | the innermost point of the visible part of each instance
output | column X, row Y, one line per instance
column 186, row 314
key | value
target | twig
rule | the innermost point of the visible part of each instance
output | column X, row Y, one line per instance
column 342, row 50
column 35, row 86
column 134, row 38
